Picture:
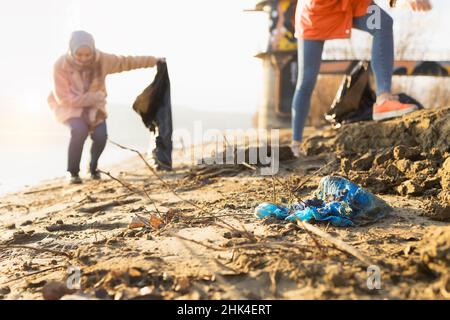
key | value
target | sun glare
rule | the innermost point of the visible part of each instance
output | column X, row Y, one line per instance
column 31, row 101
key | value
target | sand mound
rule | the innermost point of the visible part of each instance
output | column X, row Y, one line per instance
column 426, row 129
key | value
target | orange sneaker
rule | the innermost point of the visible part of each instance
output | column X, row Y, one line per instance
column 391, row 108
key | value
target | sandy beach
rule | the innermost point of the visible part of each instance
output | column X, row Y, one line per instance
column 200, row 239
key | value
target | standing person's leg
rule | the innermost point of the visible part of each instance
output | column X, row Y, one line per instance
column 309, row 59
column 382, row 62
column 78, row 134
column 99, row 138
column 382, row 48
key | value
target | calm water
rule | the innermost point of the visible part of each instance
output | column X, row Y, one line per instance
column 34, row 146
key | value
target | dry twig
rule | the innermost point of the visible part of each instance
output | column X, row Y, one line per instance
column 56, row 252
column 337, row 243
column 131, row 189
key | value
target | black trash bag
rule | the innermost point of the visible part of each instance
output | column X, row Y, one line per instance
column 355, row 98
column 155, row 108
column 152, row 98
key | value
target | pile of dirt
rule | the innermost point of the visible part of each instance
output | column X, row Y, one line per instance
column 404, row 156
column 427, row 129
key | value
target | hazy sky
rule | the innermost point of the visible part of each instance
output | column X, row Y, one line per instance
column 208, row 43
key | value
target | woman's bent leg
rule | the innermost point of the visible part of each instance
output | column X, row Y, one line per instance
column 78, row 134
column 99, row 137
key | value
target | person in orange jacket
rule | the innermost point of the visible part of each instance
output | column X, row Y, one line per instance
column 321, row 20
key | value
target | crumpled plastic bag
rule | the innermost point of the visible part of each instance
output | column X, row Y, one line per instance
column 337, row 201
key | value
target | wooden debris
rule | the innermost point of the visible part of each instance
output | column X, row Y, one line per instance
column 338, row 243
column 107, row 205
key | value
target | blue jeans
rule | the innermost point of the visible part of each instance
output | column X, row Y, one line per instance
column 78, row 134
column 310, row 58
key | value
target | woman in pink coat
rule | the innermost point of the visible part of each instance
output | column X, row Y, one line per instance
column 78, row 98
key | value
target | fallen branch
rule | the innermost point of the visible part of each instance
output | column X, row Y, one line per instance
column 32, row 274
column 216, row 216
column 43, row 190
column 107, row 205
column 83, row 226
column 287, row 246
column 338, row 243
column 245, row 164
column 56, row 252
column 220, row 172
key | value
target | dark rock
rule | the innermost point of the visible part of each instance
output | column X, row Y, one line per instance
column 130, row 233
column 102, row 294
column 112, row 241
column 56, row 290
column 5, row 290
column 227, row 235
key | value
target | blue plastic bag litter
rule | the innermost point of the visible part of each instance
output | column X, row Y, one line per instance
column 266, row 209
column 337, row 201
